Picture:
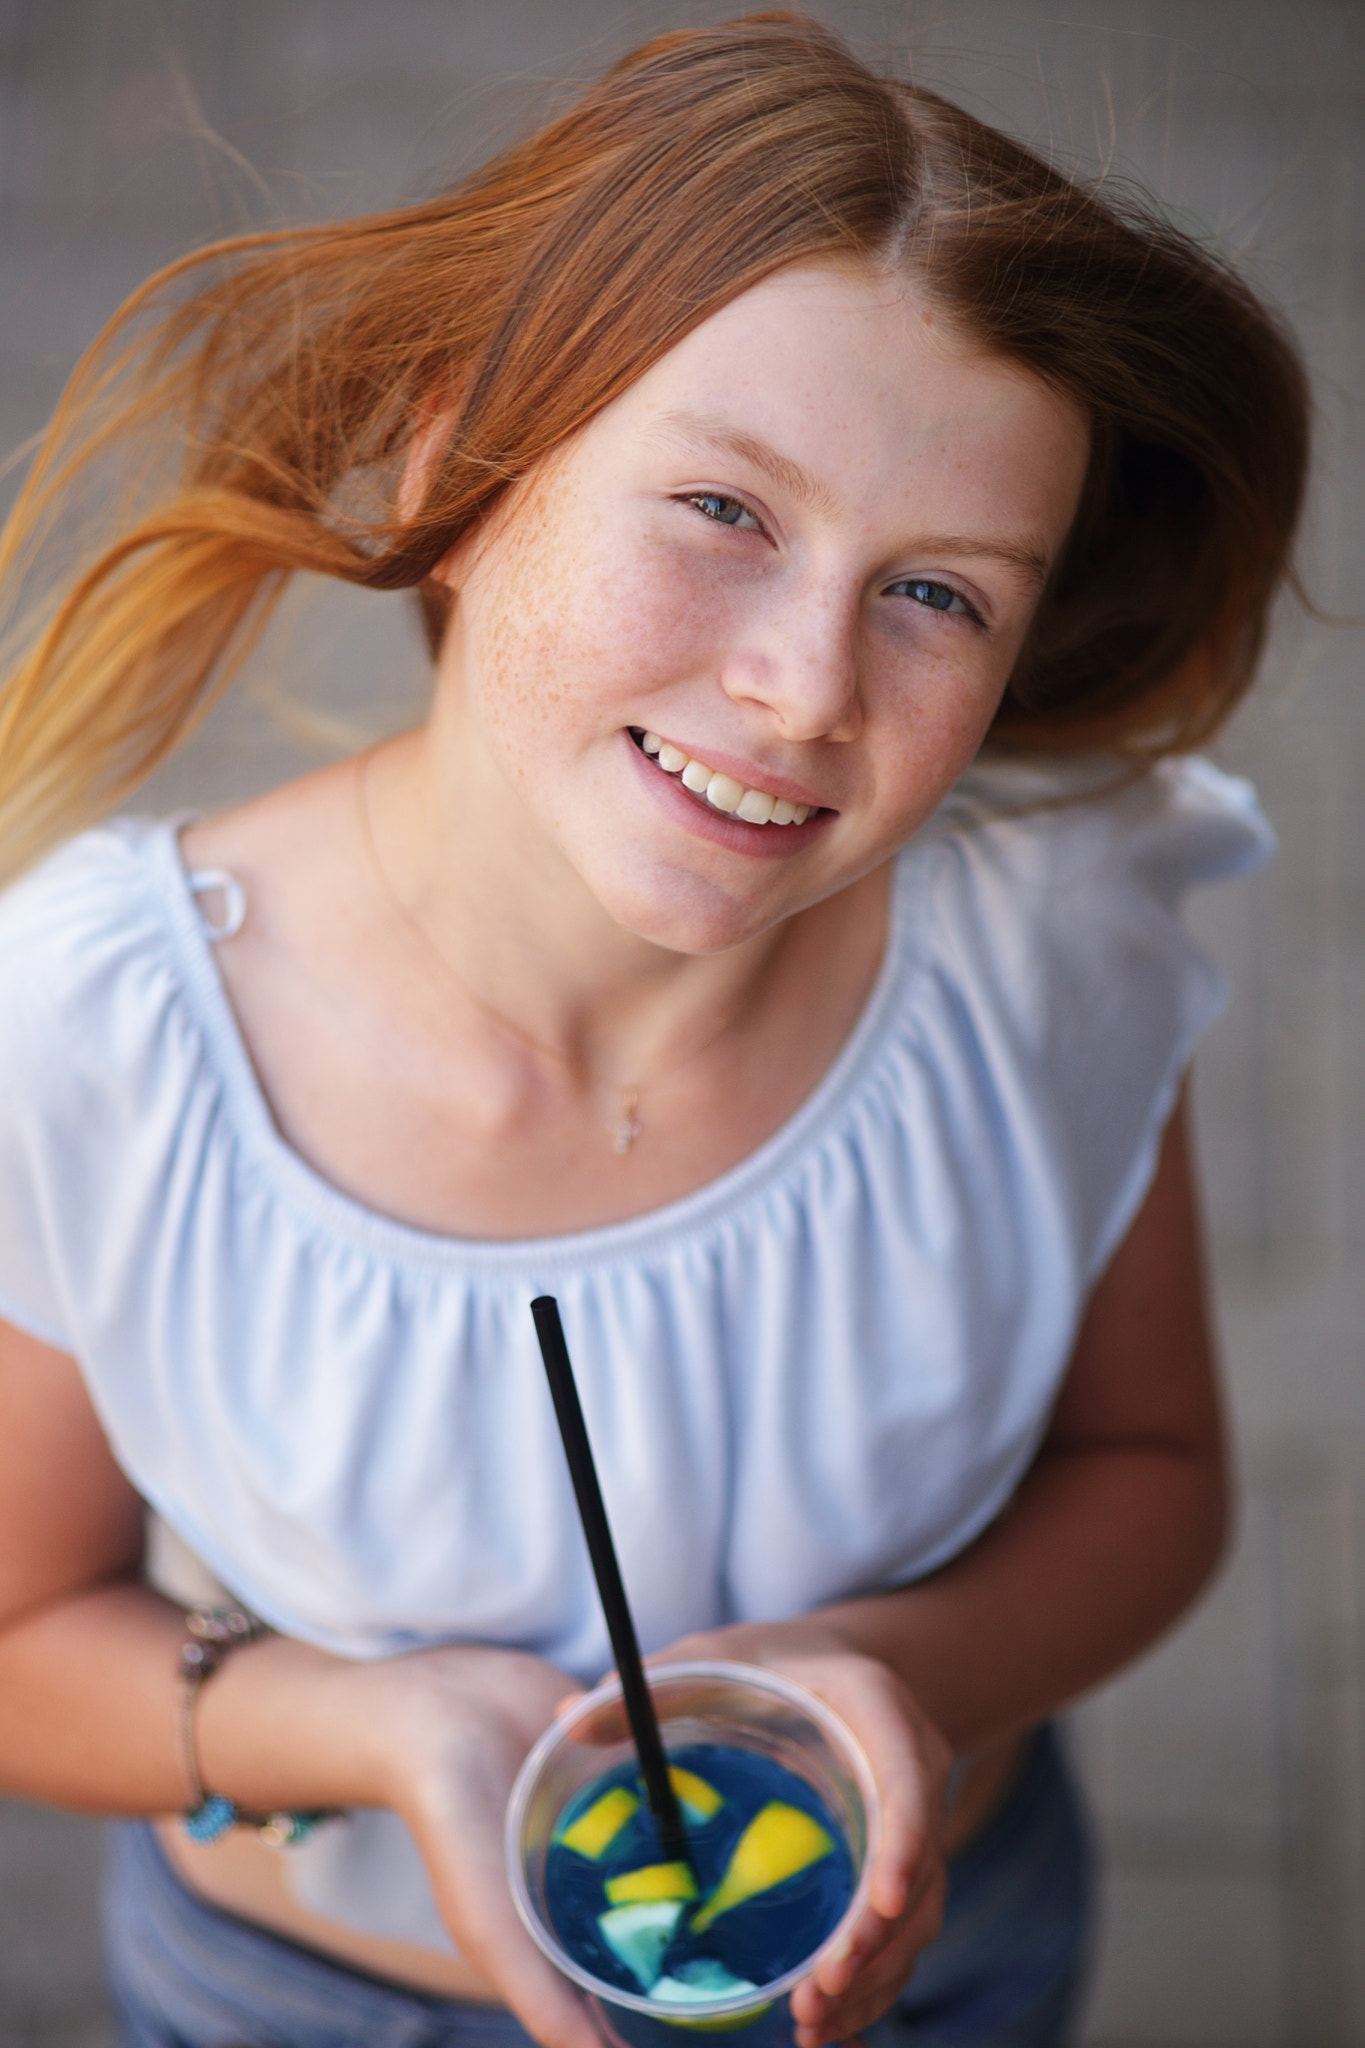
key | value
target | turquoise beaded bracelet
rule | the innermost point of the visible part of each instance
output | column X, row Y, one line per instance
column 214, row 1633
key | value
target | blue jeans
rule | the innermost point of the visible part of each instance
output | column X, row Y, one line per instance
column 1003, row 1973
column 1006, row 1970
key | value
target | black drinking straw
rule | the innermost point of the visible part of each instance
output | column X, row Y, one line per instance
column 625, row 1648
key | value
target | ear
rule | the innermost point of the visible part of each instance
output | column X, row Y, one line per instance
column 436, row 417
column 435, row 422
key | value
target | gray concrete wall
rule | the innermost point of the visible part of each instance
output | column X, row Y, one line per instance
column 1228, row 1769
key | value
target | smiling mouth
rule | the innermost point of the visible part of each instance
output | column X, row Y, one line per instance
column 721, row 792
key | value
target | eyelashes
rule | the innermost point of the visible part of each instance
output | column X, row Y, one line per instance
column 724, row 510
column 938, row 597
column 928, row 592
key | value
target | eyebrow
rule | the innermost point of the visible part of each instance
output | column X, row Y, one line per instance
column 789, row 476
column 1029, row 557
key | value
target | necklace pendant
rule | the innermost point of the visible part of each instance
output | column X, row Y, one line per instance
column 627, row 1127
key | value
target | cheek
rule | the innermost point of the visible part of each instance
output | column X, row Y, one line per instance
column 673, row 615
column 942, row 682
column 930, row 720
column 527, row 627
column 570, row 625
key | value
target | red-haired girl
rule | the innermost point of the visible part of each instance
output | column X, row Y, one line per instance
column 834, row 528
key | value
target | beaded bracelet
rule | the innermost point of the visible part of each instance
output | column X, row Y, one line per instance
column 215, row 1632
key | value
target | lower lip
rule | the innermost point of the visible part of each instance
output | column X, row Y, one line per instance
column 767, row 842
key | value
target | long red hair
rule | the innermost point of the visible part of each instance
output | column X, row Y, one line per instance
column 255, row 402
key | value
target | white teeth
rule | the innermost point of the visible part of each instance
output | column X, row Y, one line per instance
column 722, row 792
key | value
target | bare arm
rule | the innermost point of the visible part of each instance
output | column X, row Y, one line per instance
column 70, row 1546
column 1116, row 1527
column 88, row 1693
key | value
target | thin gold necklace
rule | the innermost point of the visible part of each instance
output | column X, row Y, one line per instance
column 626, row 1126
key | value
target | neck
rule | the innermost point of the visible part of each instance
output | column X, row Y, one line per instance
column 527, row 940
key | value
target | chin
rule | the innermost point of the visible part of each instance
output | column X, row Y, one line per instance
column 684, row 916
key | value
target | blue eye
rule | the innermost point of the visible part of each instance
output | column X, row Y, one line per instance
column 723, row 510
column 938, row 597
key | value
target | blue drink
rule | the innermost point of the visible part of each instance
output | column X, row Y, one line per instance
column 771, row 1877
column 780, row 1813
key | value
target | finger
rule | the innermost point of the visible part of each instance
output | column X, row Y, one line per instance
column 909, row 1788
column 465, row 1861
column 909, row 1761
column 486, row 1928
column 878, row 1946
column 819, row 2017
column 549, row 2008
column 872, row 1934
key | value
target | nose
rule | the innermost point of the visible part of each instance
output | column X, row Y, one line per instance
column 799, row 664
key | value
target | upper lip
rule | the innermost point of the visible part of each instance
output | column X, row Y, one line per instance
column 743, row 772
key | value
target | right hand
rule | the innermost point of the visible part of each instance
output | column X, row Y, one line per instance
column 459, row 1732
column 436, row 1736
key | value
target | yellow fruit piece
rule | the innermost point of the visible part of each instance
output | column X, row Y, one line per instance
column 598, row 1828
column 695, row 1792
column 655, row 1881
column 779, row 1841
column 730, row 2023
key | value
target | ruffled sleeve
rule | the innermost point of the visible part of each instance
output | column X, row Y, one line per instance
column 1060, row 910
column 85, row 988
column 39, row 1178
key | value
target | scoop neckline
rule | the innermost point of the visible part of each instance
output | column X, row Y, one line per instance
column 690, row 1216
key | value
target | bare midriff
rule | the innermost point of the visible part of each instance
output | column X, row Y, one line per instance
column 243, row 1875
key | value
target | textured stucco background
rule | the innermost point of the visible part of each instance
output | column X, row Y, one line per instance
column 1228, row 1770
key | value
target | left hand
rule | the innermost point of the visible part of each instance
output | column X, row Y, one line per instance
column 858, row 1981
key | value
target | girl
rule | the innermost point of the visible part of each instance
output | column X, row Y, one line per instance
column 832, row 527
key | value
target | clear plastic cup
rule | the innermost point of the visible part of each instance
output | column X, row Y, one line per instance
column 734, row 1704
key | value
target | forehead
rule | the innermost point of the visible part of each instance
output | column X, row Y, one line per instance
column 857, row 379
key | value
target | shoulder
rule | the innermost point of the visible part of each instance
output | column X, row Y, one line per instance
column 1060, row 995
column 76, row 930
column 1077, row 869
column 1164, row 829
column 93, row 944
column 1064, row 863
column 75, row 918
column 85, row 981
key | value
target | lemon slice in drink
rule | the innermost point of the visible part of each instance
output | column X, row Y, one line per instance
column 654, row 1881
column 595, row 1831
column 697, row 1799
column 779, row 1841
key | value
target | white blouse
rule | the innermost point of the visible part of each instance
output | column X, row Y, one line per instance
column 821, row 1374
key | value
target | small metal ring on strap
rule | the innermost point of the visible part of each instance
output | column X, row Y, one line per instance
column 219, row 881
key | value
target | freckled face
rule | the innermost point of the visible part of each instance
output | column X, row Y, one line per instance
column 795, row 561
